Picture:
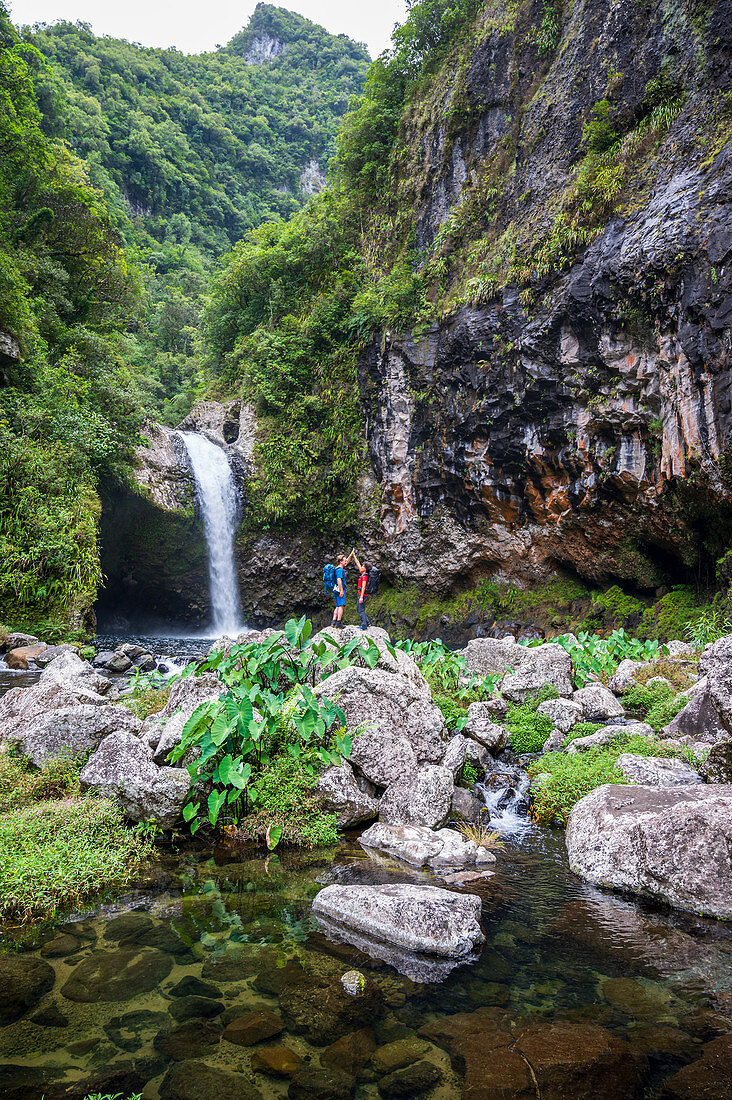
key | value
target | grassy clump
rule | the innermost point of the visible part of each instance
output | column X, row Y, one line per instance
column 288, row 800
column 657, row 704
column 55, row 854
column 20, row 786
column 529, row 729
column 582, row 729
column 57, row 847
column 147, row 701
column 571, row 777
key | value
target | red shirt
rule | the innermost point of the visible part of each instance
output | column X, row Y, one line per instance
column 363, row 579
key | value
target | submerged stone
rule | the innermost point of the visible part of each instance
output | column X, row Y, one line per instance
column 192, row 1039
column 320, row 1084
column 188, row 1008
column 117, row 975
column 351, row 1052
column 253, row 1027
column 411, row 1081
column 276, row 1061
column 23, row 981
column 190, row 1080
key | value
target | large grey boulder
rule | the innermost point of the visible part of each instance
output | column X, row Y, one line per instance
column 424, row 798
column 699, row 719
column 16, row 640
column 669, row 843
column 531, row 667
column 377, row 700
column 605, row 735
column 422, row 847
column 716, row 664
column 654, row 771
column 598, row 703
column 65, row 683
column 718, row 765
column 341, row 794
column 392, row 660
column 71, row 730
column 121, row 768
column 465, row 806
column 415, row 918
column 456, row 755
column 163, row 731
column 383, row 756
column 625, row 675
column 563, row 713
column 483, row 729
column 51, row 652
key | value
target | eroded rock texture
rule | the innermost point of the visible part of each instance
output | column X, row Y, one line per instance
column 584, row 420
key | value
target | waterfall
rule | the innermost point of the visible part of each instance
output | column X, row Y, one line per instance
column 217, row 497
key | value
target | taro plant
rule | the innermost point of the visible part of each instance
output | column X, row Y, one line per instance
column 268, row 709
column 596, row 658
column 453, row 686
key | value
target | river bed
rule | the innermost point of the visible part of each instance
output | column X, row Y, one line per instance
column 240, row 921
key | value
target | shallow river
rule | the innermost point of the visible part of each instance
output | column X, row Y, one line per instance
column 555, row 950
column 117, row 1000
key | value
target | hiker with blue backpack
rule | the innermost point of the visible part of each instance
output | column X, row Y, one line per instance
column 334, row 580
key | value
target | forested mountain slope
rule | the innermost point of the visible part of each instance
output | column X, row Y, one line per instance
column 125, row 174
column 519, row 287
column 193, row 151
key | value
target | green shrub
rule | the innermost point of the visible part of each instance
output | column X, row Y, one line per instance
column 594, row 657
column 22, row 785
column 656, row 703
column 56, row 854
column 470, row 775
column 572, row 776
column 582, row 729
column 288, row 801
column 708, row 626
column 529, row 729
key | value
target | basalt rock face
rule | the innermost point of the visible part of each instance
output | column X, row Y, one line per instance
column 584, row 422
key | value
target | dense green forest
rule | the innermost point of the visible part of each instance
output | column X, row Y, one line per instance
column 125, row 174
column 191, row 152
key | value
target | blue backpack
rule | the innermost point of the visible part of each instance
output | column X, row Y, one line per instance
column 328, row 578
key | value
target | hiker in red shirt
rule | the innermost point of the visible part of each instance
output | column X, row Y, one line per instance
column 363, row 580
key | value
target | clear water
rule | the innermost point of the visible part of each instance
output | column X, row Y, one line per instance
column 217, row 497
column 556, row 950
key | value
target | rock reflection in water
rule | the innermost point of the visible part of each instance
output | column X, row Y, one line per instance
column 592, row 991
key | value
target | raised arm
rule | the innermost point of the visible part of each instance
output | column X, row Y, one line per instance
column 358, row 563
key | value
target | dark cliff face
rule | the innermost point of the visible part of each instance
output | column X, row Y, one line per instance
column 580, row 416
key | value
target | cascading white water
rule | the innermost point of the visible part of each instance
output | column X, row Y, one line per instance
column 217, row 497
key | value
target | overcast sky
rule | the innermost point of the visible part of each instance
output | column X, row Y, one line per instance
column 193, row 26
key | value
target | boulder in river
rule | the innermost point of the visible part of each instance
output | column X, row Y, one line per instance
column 415, row 918
column 699, row 719
column 563, row 713
column 22, row 657
column 597, row 703
column 76, row 730
column 482, row 728
column 424, row 798
column 669, row 843
column 375, row 701
column 422, row 847
column 341, row 794
column 121, row 768
column 524, row 668
column 717, row 767
column 655, row 771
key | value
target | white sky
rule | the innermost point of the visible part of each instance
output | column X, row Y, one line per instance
column 194, row 27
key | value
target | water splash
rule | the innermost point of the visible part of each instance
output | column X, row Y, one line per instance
column 505, row 794
column 217, row 497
